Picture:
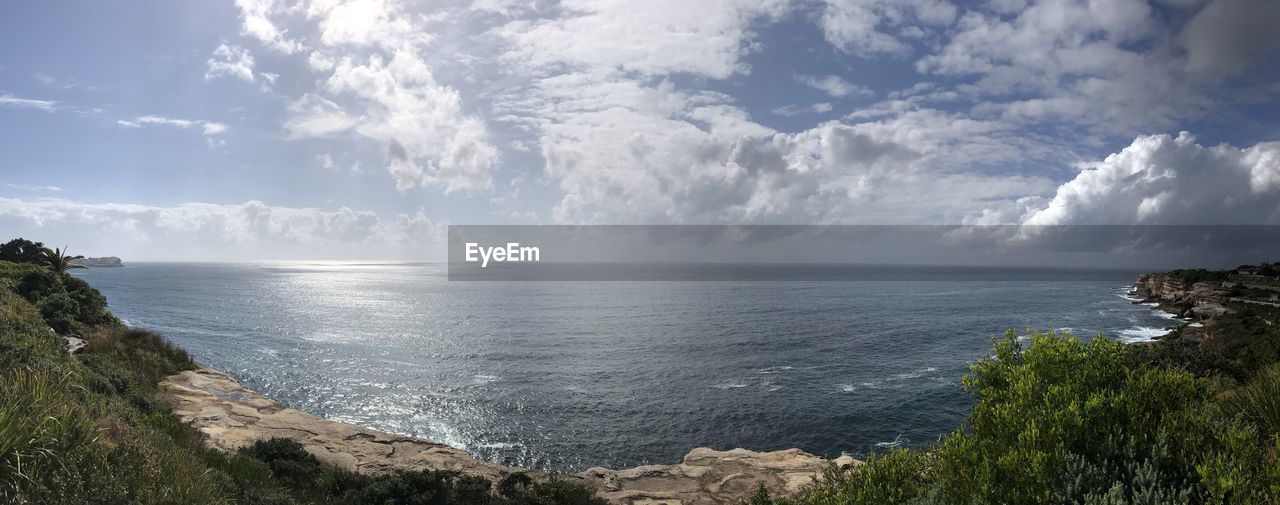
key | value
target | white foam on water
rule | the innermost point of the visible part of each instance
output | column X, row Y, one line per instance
column 500, row 445
column 1142, row 334
column 729, row 385
column 912, row 375
column 896, row 442
column 484, row 379
column 773, row 370
column 847, row 388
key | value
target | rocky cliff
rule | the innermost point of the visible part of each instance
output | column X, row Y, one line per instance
column 1200, row 300
column 1215, row 303
column 232, row 416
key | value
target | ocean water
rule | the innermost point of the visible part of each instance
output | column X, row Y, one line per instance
column 568, row 375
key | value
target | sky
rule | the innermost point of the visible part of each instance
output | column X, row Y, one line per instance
column 330, row 129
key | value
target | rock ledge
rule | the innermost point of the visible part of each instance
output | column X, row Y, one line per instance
column 232, row 417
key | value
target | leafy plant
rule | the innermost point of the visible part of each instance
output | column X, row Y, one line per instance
column 57, row 259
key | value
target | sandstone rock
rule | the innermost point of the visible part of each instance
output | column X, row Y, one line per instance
column 232, row 417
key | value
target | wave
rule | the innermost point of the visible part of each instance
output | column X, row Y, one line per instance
column 890, row 381
column 485, row 379
column 729, row 385
column 897, row 441
column 1142, row 334
column 500, row 445
column 773, row 370
column 912, row 375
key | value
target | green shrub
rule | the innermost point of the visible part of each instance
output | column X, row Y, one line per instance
column 60, row 312
column 1258, row 402
column 1066, row 421
column 297, row 469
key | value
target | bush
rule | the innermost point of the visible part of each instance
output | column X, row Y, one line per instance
column 1258, row 402
column 292, row 465
column 1074, row 422
column 60, row 312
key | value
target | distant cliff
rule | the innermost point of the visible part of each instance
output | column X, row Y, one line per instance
column 103, row 262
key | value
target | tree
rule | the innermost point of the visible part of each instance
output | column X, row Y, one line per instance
column 20, row 250
column 58, row 261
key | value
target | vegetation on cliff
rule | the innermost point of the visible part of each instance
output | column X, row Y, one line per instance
column 1192, row 420
column 88, row 428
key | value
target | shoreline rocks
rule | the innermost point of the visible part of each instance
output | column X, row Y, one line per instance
column 232, row 416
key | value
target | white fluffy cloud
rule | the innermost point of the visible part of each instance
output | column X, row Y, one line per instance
column 211, row 231
column 233, row 61
column 255, row 16
column 1161, row 179
column 429, row 140
column 882, row 27
column 377, row 83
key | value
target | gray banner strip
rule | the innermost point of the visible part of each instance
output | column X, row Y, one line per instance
column 845, row 252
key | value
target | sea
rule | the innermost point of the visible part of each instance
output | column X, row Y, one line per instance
column 564, row 375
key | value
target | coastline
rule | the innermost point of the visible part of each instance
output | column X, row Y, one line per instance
column 232, row 416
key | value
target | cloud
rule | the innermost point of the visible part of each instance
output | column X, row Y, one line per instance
column 833, row 85
column 231, row 61
column 315, row 116
column 252, row 230
column 7, row 100
column 1161, row 179
column 706, row 38
column 430, row 141
column 365, row 23
column 621, row 150
column 211, row 130
column 255, row 16
column 882, row 27
column 795, row 110
column 26, row 187
column 1228, row 36
column 54, row 82
column 208, row 128
column 376, row 82
column 1105, row 65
